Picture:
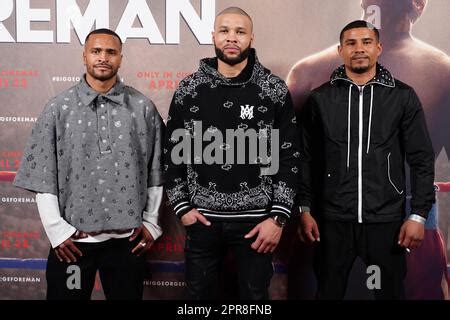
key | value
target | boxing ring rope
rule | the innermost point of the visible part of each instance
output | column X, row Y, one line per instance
column 8, row 176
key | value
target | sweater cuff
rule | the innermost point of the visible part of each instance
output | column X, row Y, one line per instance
column 181, row 208
column 280, row 209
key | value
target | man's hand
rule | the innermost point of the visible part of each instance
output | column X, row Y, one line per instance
column 308, row 229
column 411, row 234
column 146, row 240
column 269, row 234
column 68, row 250
column 192, row 216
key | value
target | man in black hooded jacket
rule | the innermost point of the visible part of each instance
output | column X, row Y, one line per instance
column 356, row 132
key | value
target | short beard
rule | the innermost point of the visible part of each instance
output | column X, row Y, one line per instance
column 100, row 77
column 232, row 61
column 360, row 70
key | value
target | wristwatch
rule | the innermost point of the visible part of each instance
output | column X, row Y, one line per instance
column 280, row 220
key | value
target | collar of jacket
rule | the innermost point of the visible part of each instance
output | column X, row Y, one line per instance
column 208, row 66
column 88, row 95
column 383, row 77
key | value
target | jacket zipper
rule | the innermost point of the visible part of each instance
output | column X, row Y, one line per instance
column 360, row 142
column 360, row 133
column 349, row 124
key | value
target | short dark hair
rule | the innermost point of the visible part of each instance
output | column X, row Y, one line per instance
column 103, row 31
column 359, row 24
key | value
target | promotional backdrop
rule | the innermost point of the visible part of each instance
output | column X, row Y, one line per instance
column 41, row 43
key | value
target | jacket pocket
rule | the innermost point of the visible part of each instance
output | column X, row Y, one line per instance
column 389, row 175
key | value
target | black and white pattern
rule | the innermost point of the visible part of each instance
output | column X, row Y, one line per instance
column 228, row 189
column 208, row 198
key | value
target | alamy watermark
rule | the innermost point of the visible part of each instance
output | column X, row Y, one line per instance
column 74, row 279
column 241, row 146
column 374, row 280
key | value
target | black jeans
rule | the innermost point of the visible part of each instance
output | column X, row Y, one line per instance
column 121, row 272
column 375, row 243
column 205, row 250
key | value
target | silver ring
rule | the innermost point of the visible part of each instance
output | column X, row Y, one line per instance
column 143, row 244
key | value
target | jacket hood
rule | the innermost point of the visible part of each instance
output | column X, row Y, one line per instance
column 208, row 66
column 382, row 77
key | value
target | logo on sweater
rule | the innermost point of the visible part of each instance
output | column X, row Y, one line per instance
column 247, row 112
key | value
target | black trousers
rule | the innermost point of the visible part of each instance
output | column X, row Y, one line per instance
column 205, row 250
column 375, row 243
column 121, row 272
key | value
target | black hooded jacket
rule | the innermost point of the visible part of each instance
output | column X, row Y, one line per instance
column 355, row 140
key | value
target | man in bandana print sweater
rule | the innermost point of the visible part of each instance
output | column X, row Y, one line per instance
column 231, row 161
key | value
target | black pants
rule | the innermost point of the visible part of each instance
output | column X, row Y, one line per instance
column 205, row 250
column 121, row 272
column 375, row 243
